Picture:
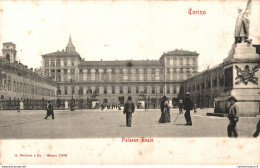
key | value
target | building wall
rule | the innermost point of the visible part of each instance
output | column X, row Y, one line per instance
column 114, row 79
column 205, row 86
column 20, row 83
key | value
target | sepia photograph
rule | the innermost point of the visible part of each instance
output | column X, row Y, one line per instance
column 130, row 82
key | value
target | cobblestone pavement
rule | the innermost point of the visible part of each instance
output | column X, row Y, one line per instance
column 111, row 123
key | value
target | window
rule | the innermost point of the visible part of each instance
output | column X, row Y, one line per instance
column 9, row 85
column 72, row 62
column 129, row 89
column 145, row 74
column 65, row 62
column 58, row 63
column 113, row 89
column 14, row 87
column 105, row 89
column 65, row 90
column 80, row 91
column 121, row 89
column 52, row 63
column 58, row 91
column 188, row 61
column 153, row 89
column 58, row 78
column 181, row 61
column 161, row 89
column 73, row 90
column 46, row 63
column 175, row 89
column 194, row 61
column 168, row 89
column 137, row 89
column 145, row 89
column 89, row 91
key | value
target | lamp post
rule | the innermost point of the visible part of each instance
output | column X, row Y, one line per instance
column 72, row 104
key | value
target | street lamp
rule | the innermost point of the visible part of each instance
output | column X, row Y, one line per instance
column 72, row 104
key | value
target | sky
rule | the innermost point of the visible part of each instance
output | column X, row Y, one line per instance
column 123, row 30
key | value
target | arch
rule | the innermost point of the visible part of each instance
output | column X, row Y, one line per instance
column 8, row 58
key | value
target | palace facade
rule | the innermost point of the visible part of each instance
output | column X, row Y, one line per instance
column 114, row 81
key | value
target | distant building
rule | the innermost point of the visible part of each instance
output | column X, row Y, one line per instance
column 17, row 82
column 114, row 80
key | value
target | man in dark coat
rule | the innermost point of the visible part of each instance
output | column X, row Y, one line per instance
column 129, row 108
column 49, row 110
column 233, row 114
column 188, row 106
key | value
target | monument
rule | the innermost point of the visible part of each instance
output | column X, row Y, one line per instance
column 241, row 71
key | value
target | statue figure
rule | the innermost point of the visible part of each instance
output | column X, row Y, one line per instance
column 242, row 25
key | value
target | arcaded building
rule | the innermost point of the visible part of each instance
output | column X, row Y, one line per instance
column 208, row 84
column 205, row 86
column 114, row 81
column 21, row 84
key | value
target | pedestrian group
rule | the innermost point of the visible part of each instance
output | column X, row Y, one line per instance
column 186, row 104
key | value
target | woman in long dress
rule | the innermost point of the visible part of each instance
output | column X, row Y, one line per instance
column 167, row 111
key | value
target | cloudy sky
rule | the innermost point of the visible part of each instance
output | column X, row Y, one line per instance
column 110, row 30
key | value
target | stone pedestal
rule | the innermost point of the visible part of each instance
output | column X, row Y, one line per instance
column 241, row 74
column 21, row 105
column 66, row 104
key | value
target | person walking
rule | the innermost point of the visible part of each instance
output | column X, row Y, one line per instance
column 180, row 106
column 188, row 106
column 167, row 110
column 129, row 108
column 49, row 110
column 233, row 114
column 146, row 106
column 162, row 118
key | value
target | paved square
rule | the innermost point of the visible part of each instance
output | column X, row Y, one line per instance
column 111, row 123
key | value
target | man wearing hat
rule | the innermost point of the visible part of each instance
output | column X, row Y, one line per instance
column 129, row 108
column 49, row 110
column 188, row 106
column 233, row 117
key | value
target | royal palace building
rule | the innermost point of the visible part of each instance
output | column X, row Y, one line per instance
column 114, row 81
column 208, row 85
column 21, row 84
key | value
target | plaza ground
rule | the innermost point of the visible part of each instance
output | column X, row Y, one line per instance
column 111, row 123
